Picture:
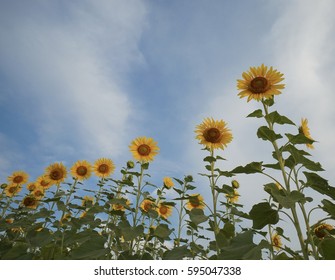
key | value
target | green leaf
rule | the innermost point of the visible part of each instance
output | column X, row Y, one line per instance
column 177, row 253
column 163, row 231
column 266, row 133
column 241, row 248
column 256, row 114
column 329, row 207
column 197, row 216
column 319, row 184
column 253, row 167
column 210, row 159
column 18, row 251
column 327, row 247
column 275, row 117
column 91, row 249
column 299, row 139
column 262, row 214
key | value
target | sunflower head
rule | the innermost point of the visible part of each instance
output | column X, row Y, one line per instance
column 168, row 183
column 232, row 198
column 144, row 149
column 103, row 167
column 260, row 83
column 147, row 205
column 38, row 192
column 30, row 201
column 81, row 170
column 31, row 186
column 87, row 201
column 44, row 181
column 195, row 201
column 322, row 230
column 304, row 129
column 276, row 241
column 18, row 178
column 213, row 134
column 164, row 210
column 56, row 173
column 12, row 190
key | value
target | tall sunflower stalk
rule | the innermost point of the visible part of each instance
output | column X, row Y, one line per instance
column 213, row 134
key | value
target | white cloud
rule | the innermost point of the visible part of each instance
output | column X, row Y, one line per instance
column 72, row 74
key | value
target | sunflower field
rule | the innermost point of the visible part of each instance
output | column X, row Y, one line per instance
column 61, row 215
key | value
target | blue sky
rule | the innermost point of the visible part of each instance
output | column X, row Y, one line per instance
column 82, row 79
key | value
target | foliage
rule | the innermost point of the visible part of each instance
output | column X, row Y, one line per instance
column 106, row 217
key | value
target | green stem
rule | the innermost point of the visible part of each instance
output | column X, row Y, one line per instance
column 138, row 196
column 214, row 198
column 287, row 185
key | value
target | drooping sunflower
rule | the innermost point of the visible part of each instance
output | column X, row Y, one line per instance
column 213, row 134
column 12, row 190
column 164, row 210
column 18, row 178
column 30, row 201
column 168, row 183
column 81, row 170
column 276, row 241
column 103, row 167
column 322, row 230
column 44, row 181
column 56, row 173
column 147, row 205
column 121, row 207
column 304, row 129
column 144, row 149
column 260, row 83
column 195, row 201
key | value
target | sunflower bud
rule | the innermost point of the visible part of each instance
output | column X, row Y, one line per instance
column 235, row 184
column 130, row 164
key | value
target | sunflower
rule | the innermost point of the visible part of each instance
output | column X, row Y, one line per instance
column 56, row 173
column 260, row 82
column 103, row 167
column 304, row 129
column 164, row 210
column 195, row 201
column 213, row 134
column 322, row 230
column 276, row 241
column 232, row 198
column 121, row 207
column 12, row 190
column 30, row 202
column 168, row 183
column 87, row 201
column 18, row 178
column 81, row 170
column 147, row 205
column 144, row 149
column 31, row 186
column 44, row 181
column 38, row 192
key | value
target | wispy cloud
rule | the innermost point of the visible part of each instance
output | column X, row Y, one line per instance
column 71, row 74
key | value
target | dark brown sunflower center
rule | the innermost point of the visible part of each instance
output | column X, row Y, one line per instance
column 147, row 206
column 56, row 174
column 12, row 190
column 212, row 135
column 29, row 201
column 103, row 168
column 38, row 193
column 163, row 209
column 259, row 85
column 82, row 170
column 194, row 201
column 18, row 179
column 144, row 150
column 44, row 183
